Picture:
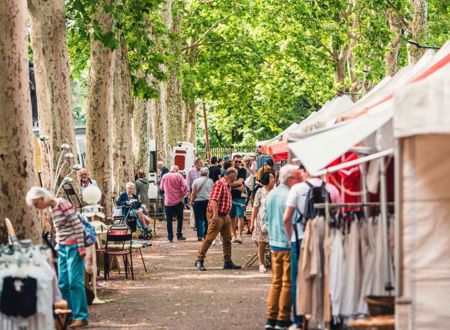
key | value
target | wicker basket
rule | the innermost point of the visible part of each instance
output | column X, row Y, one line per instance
column 381, row 305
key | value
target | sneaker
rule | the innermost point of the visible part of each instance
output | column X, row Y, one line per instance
column 200, row 265
column 231, row 265
column 270, row 324
column 262, row 269
column 233, row 240
column 295, row 327
column 170, row 240
column 181, row 238
column 283, row 325
column 199, row 239
column 239, row 240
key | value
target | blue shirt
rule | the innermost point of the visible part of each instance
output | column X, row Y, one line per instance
column 275, row 206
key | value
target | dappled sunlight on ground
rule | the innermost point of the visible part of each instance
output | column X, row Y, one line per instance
column 173, row 294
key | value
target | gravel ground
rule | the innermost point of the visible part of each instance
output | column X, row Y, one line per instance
column 175, row 295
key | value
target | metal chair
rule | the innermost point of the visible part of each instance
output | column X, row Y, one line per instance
column 119, row 243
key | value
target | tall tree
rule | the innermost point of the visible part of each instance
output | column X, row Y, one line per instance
column 171, row 97
column 51, row 60
column 98, row 132
column 122, row 121
column 16, row 151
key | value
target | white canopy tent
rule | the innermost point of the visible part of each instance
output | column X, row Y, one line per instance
column 371, row 114
column 422, row 131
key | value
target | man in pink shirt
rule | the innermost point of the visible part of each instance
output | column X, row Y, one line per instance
column 175, row 189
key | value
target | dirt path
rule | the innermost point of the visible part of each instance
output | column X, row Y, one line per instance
column 175, row 295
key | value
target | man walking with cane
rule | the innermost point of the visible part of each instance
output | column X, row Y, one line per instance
column 219, row 220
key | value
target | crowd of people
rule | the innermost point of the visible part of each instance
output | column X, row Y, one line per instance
column 219, row 193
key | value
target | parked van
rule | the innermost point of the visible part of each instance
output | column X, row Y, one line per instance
column 183, row 155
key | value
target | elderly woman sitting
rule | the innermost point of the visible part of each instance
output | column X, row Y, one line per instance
column 127, row 198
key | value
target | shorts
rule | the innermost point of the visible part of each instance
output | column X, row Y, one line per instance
column 238, row 208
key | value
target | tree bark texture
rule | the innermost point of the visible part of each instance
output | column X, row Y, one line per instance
column 191, row 120
column 16, row 143
column 340, row 64
column 141, row 135
column 393, row 48
column 122, row 122
column 49, row 44
column 42, row 91
column 419, row 29
column 158, row 124
column 172, row 97
column 98, row 121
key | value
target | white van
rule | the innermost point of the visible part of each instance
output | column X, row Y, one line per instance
column 183, row 155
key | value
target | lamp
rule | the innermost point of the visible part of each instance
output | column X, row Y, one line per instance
column 92, row 195
column 65, row 146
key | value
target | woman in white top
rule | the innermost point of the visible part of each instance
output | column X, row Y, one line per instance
column 201, row 189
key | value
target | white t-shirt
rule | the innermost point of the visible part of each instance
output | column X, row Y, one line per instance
column 297, row 199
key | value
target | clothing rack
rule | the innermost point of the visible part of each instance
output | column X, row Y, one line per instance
column 334, row 205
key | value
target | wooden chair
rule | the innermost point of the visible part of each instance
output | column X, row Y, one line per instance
column 61, row 315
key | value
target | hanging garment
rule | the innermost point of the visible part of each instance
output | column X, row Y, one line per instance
column 304, row 282
column 336, row 271
column 368, row 263
column 383, row 275
column 326, row 285
column 351, row 293
column 317, row 268
column 19, row 296
column 47, row 291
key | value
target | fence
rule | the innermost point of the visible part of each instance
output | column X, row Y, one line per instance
column 220, row 152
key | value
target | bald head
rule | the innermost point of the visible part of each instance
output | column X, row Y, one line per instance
column 83, row 174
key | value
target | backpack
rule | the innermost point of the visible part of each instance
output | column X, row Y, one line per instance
column 316, row 194
column 90, row 237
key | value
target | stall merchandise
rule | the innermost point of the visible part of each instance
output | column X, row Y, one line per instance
column 341, row 262
column 406, row 117
column 28, row 287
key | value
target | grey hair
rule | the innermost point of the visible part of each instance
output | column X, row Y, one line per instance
column 36, row 193
column 231, row 171
column 286, row 171
column 130, row 185
column 204, row 171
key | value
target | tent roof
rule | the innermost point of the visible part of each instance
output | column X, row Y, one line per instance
column 318, row 150
column 423, row 106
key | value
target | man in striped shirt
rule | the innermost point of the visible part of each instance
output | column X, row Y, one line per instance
column 219, row 220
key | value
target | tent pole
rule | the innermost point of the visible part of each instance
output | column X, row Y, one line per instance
column 398, row 229
column 363, row 168
column 358, row 161
column 385, row 224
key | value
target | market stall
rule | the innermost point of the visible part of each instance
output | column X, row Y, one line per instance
column 422, row 133
column 422, row 130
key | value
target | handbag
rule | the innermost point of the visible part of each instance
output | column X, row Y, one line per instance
column 192, row 219
column 90, row 236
